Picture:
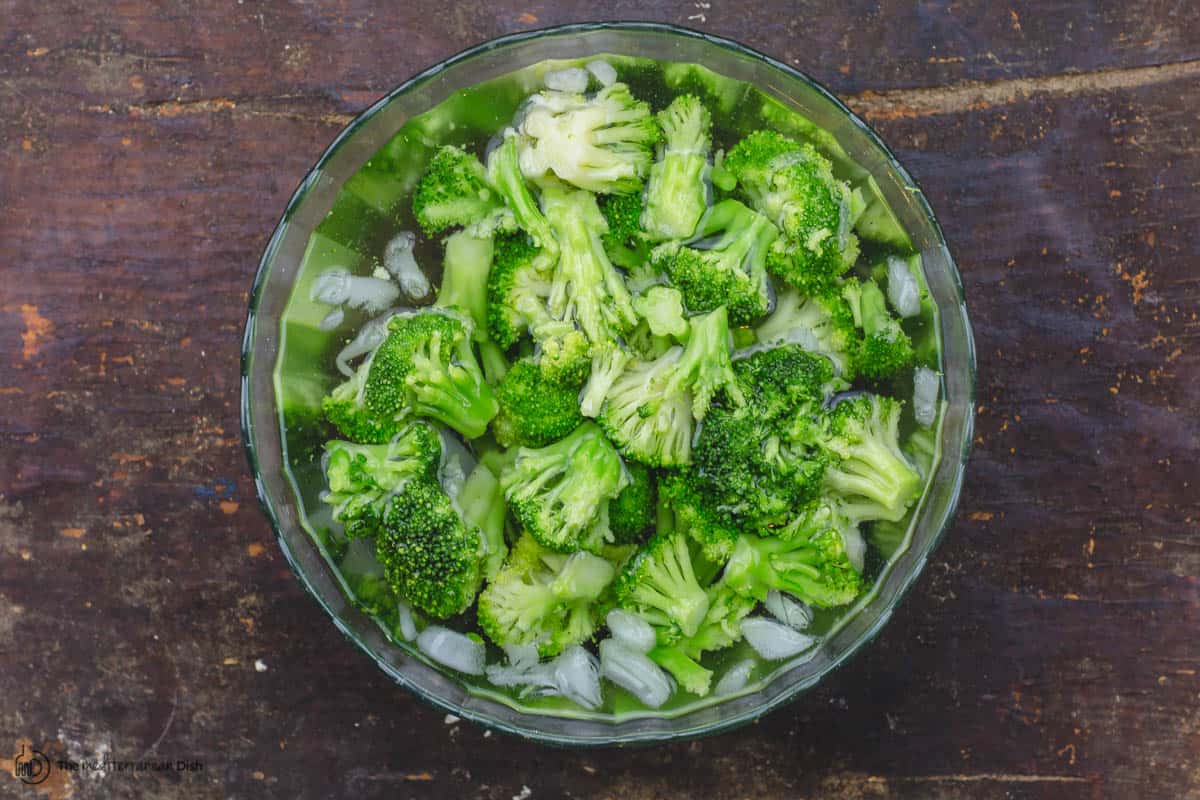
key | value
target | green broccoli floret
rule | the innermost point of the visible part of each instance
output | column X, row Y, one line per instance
column 587, row 289
column 816, row 570
column 625, row 242
column 345, row 409
column 603, row 143
column 545, row 598
column 432, row 558
column 517, row 290
column 650, row 407
column 727, row 266
column 885, row 348
column 560, row 492
column 659, row 584
column 362, row 477
column 564, row 354
column 750, row 471
column 676, row 195
column 631, row 513
column 794, row 186
column 426, row 367
column 534, row 411
column 820, row 323
column 609, row 360
column 504, row 172
column 868, row 472
column 662, row 308
column 726, row 608
column 453, row 192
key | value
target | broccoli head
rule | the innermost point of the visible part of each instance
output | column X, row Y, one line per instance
column 559, row 493
column 631, row 513
column 650, row 407
column 676, row 194
column 544, row 598
column 362, row 477
column 794, row 186
column 662, row 308
column 726, row 266
column 820, row 323
column 453, row 192
column 432, row 558
column 603, row 143
column 867, row 471
column 426, row 367
column 345, row 408
column 517, row 290
column 885, row 348
column 534, row 410
column 817, row 570
column 659, row 584
column 504, row 172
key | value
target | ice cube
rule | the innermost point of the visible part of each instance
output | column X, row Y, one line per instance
column 452, row 649
column 773, row 640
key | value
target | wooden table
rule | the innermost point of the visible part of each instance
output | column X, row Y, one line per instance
column 1050, row 649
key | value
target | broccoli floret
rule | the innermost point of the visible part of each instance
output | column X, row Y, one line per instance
column 560, row 492
column 726, row 608
column 662, row 308
column 794, row 186
column 688, row 673
column 676, row 195
column 625, row 242
column 885, row 348
column 345, row 409
column 650, row 407
column 659, row 584
column 868, row 472
column 564, row 354
column 432, row 558
column 362, row 477
column 587, row 289
column 504, row 172
column 631, row 513
column 517, row 290
column 453, row 191
column 820, row 323
column 726, row 266
column 426, row 367
column 815, row 570
column 534, row 411
column 603, row 143
column 545, row 598
column 608, row 363
column 750, row 470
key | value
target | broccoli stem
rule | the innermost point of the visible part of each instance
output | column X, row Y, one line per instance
column 465, row 268
column 504, row 171
column 690, row 675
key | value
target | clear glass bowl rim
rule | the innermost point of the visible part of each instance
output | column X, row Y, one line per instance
column 530, row 730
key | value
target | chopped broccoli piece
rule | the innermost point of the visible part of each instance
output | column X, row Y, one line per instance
column 727, row 266
column 868, row 471
column 344, row 407
column 817, row 570
column 662, row 308
column 885, row 348
column 465, row 268
column 362, row 477
column 560, row 492
column 428, row 553
column 480, row 501
column 545, row 598
column 650, row 407
column 659, row 584
column 453, row 192
column 688, row 673
column 794, row 186
column 426, row 367
column 676, row 194
column 603, row 143
column 534, row 410
column 517, row 291
column 504, row 172
column 631, row 513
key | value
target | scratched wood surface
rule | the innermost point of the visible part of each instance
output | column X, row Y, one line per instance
column 1049, row 651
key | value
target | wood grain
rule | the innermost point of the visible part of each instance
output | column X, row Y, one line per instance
column 1050, row 649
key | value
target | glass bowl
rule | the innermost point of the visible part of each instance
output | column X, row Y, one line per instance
column 262, row 417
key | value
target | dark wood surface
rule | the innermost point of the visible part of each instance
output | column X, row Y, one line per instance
column 1050, row 649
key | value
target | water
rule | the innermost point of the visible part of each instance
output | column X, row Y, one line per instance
column 373, row 207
